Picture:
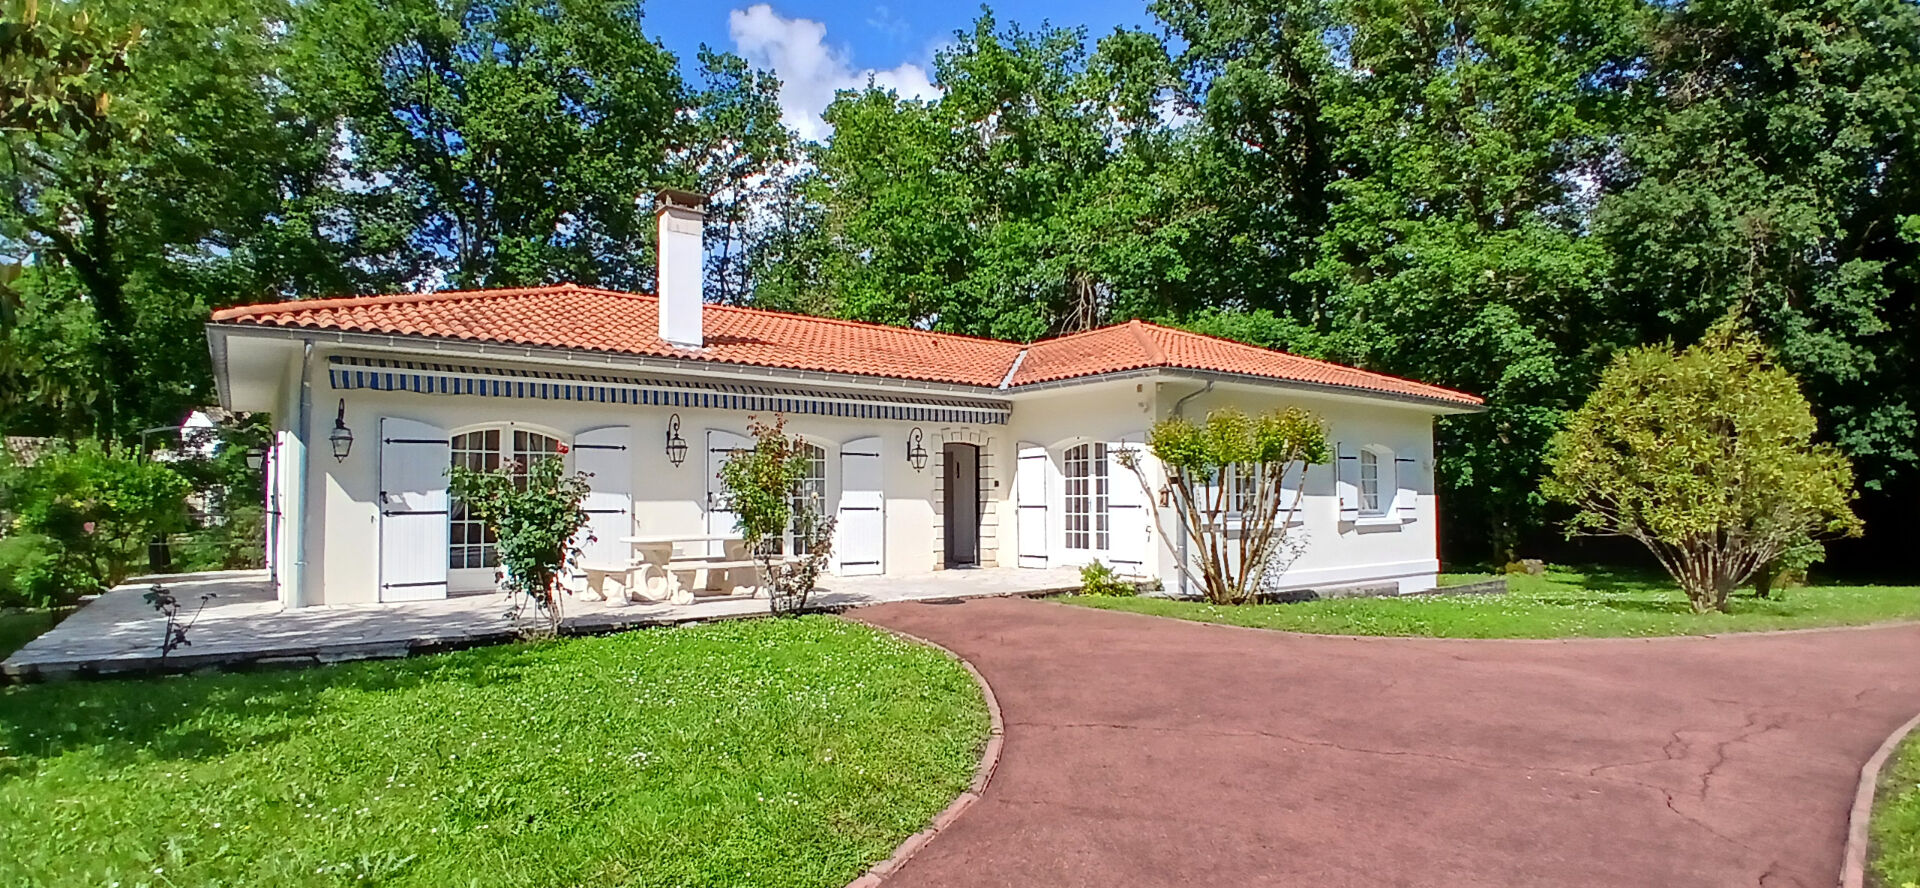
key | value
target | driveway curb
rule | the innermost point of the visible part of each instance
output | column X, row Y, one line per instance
column 1853, row 866
column 982, row 773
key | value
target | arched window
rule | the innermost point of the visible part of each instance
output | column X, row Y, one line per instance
column 470, row 543
column 809, row 505
column 1086, row 497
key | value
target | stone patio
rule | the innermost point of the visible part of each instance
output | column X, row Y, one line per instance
column 119, row 633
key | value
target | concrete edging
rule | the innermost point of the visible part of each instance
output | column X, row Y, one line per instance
column 1853, row 864
column 982, row 773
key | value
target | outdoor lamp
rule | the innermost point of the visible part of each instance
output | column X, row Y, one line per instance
column 916, row 454
column 341, row 437
column 676, row 445
column 256, row 458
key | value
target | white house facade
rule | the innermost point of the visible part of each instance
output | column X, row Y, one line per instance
column 934, row 451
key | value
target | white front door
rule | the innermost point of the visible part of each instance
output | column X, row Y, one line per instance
column 721, row 518
column 413, row 510
column 860, row 534
column 1128, row 503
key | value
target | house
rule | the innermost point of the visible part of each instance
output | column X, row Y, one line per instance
column 934, row 450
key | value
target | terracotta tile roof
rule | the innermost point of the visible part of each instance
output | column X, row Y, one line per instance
column 570, row 316
column 590, row 319
column 1137, row 345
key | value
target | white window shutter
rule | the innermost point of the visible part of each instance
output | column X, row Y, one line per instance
column 1346, row 467
column 1129, row 523
column 1293, row 506
column 721, row 519
column 606, row 455
column 1030, row 498
column 414, row 457
column 860, row 528
column 1406, row 494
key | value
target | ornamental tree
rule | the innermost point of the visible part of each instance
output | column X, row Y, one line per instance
column 534, row 511
column 1227, row 479
column 764, row 490
column 1708, row 458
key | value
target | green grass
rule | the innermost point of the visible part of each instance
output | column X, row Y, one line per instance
column 1896, row 820
column 765, row 752
column 1564, row 603
column 19, row 627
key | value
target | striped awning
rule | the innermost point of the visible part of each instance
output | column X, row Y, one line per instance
column 379, row 374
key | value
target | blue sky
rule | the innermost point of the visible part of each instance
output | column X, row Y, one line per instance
column 818, row 46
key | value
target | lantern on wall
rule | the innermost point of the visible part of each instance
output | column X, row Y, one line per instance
column 341, row 437
column 916, row 453
column 676, row 445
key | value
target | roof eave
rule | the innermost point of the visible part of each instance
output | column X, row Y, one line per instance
column 1440, row 406
column 416, row 344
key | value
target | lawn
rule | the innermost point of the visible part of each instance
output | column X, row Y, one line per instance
column 1563, row 603
column 1896, row 820
column 17, row 627
column 765, row 752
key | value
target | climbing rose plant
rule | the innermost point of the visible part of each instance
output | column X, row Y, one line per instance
column 534, row 511
column 1206, row 464
column 1707, row 457
column 764, row 487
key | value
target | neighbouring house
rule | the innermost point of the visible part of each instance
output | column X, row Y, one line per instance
column 935, row 451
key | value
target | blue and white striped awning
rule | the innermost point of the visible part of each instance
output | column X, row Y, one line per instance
column 380, row 374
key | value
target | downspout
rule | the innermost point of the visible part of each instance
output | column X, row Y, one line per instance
column 303, row 433
column 1184, row 582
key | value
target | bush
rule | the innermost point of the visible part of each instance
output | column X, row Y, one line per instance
column 1099, row 579
column 238, row 543
column 97, row 505
column 33, row 575
column 534, row 511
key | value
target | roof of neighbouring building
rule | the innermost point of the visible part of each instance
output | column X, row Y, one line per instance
column 569, row 316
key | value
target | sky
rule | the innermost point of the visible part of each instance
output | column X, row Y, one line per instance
column 819, row 46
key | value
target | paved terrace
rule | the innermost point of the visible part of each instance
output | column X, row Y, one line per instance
column 244, row 624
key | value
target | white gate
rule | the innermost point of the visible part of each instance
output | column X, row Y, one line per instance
column 860, row 533
column 413, row 510
column 1030, row 496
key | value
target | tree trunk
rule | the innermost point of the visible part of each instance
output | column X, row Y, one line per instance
column 1764, row 578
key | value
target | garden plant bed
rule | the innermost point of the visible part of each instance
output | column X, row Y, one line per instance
column 766, row 752
column 1563, row 603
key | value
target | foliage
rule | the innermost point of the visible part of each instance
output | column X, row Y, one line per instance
column 33, row 574
column 535, row 514
column 162, row 599
column 1230, row 495
column 1708, row 459
column 803, row 749
column 98, row 504
column 1895, row 841
column 1564, row 603
column 1099, row 579
column 764, row 484
column 236, row 542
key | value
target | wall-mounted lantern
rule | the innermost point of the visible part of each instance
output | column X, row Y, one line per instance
column 676, row 445
column 916, row 454
column 256, row 458
column 341, row 437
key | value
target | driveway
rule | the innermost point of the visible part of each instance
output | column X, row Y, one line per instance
column 1143, row 751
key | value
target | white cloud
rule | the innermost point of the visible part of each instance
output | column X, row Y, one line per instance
column 811, row 71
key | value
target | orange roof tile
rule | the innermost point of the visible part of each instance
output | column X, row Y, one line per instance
column 1137, row 345
column 590, row 319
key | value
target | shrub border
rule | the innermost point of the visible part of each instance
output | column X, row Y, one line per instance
column 982, row 773
column 1853, row 865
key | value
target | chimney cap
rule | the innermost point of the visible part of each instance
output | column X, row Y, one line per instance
column 674, row 197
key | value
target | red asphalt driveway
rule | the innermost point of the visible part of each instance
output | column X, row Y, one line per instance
column 1143, row 751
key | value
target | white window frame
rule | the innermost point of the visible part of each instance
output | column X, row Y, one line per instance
column 1084, row 511
column 796, row 541
column 507, row 447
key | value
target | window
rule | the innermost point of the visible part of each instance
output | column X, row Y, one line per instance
column 470, row 543
column 1245, row 489
column 1369, row 483
column 1086, row 497
column 809, row 501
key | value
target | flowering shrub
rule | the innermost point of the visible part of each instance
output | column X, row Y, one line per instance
column 534, row 511
column 97, row 505
column 763, row 483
